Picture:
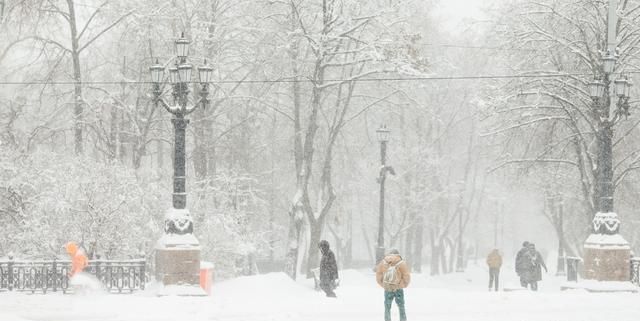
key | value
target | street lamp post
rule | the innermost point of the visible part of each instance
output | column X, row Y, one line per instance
column 1, row 10
column 460, row 249
column 383, row 137
column 606, row 252
column 178, row 251
column 606, row 255
column 557, row 204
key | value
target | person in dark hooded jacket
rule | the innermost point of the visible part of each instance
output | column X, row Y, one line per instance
column 328, row 269
column 523, row 264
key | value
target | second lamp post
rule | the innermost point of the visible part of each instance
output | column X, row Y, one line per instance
column 383, row 137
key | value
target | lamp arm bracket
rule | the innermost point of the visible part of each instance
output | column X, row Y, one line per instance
column 194, row 107
column 383, row 173
column 390, row 170
column 617, row 114
column 161, row 101
column 614, row 119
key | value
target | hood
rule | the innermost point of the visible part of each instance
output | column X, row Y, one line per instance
column 392, row 258
column 71, row 248
column 324, row 246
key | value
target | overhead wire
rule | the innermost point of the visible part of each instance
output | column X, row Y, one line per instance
column 325, row 81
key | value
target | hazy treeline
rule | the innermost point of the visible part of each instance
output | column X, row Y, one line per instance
column 287, row 153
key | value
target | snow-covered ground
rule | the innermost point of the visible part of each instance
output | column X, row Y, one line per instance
column 274, row 297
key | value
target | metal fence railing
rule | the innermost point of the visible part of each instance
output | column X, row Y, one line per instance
column 635, row 270
column 53, row 275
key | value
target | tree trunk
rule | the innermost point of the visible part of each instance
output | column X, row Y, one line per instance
column 446, row 254
column 315, row 232
column 113, row 134
column 408, row 242
column 160, row 155
column 77, row 78
column 368, row 245
column 348, row 253
column 296, row 213
column 122, row 140
column 296, row 217
column 417, row 252
column 442, row 257
column 460, row 254
column 410, row 235
column 272, row 192
column 435, row 255
column 452, row 255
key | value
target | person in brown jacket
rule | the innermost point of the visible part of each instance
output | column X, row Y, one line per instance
column 392, row 274
column 494, row 261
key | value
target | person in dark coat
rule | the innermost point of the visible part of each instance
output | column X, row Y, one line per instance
column 523, row 264
column 537, row 263
column 328, row 269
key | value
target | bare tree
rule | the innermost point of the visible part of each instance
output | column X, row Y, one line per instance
column 334, row 53
column 83, row 32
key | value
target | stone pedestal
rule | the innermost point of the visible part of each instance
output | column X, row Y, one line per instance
column 178, row 251
column 607, row 258
column 178, row 266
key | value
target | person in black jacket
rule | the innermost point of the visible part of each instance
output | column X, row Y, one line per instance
column 328, row 269
column 523, row 264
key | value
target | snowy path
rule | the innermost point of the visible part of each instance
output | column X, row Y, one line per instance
column 274, row 297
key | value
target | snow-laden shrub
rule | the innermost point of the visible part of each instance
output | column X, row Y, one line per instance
column 232, row 223
column 49, row 199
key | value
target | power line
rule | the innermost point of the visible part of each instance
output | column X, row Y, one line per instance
column 479, row 47
column 461, row 46
column 326, row 81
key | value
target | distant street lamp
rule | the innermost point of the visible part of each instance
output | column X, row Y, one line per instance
column 383, row 137
column 556, row 212
column 178, row 219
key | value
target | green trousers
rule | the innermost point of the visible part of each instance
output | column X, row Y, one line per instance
column 398, row 295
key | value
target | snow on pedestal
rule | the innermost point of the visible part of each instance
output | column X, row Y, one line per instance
column 606, row 256
column 176, row 241
column 605, row 241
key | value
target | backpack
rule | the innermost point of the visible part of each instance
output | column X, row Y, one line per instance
column 391, row 276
